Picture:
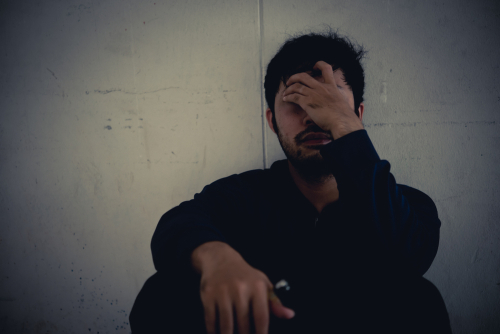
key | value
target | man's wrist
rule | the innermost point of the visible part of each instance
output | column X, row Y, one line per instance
column 340, row 129
column 205, row 256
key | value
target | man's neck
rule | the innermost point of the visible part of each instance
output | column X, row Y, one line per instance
column 320, row 192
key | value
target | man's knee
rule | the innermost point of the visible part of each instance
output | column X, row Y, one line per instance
column 422, row 307
column 168, row 303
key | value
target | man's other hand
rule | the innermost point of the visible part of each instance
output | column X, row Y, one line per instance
column 233, row 293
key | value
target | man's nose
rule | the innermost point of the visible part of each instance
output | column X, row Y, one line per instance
column 307, row 120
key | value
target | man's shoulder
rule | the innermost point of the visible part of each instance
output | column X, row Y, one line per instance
column 417, row 197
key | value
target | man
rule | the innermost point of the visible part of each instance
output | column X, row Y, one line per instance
column 330, row 220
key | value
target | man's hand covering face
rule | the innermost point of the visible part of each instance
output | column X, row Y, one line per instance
column 327, row 99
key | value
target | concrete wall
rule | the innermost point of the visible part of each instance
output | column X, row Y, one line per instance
column 112, row 112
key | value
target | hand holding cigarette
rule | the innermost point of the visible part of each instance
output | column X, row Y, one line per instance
column 233, row 293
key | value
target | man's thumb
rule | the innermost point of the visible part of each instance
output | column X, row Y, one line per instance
column 278, row 309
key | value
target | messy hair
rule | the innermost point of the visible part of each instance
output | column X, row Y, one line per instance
column 301, row 52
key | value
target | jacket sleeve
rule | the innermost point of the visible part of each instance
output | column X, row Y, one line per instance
column 179, row 232
column 207, row 217
column 398, row 225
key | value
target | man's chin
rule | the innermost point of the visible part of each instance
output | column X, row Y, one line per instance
column 311, row 155
column 311, row 161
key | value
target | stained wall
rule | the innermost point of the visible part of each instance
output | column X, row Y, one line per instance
column 113, row 112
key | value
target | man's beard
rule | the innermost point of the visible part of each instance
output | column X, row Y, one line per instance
column 311, row 167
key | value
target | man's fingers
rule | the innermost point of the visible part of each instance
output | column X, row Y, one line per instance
column 210, row 319
column 297, row 88
column 278, row 309
column 260, row 311
column 326, row 71
column 303, row 78
column 243, row 317
column 225, row 317
column 293, row 98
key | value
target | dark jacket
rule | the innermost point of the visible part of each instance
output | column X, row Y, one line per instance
column 378, row 231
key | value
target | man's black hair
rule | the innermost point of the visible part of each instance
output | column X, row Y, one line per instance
column 300, row 53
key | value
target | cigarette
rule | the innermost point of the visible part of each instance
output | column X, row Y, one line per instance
column 281, row 285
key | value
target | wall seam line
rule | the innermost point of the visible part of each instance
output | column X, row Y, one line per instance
column 261, row 81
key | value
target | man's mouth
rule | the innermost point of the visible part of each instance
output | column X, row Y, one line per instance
column 316, row 138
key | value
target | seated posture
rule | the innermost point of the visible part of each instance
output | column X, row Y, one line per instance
column 330, row 220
